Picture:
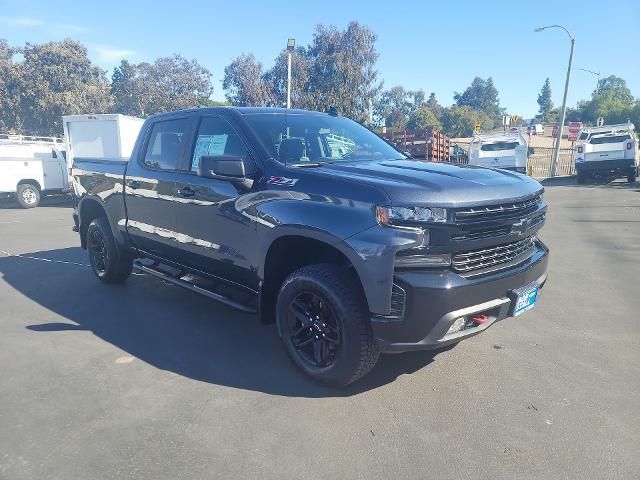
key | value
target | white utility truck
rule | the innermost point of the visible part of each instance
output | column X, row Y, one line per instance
column 610, row 151
column 506, row 150
column 31, row 167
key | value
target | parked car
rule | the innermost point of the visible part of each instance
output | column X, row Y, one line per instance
column 31, row 167
column 317, row 224
column 506, row 150
column 610, row 151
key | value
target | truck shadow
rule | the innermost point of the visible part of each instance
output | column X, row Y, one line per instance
column 175, row 330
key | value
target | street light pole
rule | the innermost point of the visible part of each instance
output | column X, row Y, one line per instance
column 291, row 45
column 563, row 111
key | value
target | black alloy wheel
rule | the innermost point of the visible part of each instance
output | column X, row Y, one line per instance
column 314, row 329
column 98, row 252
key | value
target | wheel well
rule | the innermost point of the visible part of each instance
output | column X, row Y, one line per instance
column 286, row 255
column 30, row 181
column 89, row 210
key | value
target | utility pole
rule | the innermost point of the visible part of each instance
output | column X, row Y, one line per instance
column 563, row 111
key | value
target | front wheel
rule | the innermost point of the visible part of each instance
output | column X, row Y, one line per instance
column 324, row 322
column 109, row 263
column 632, row 176
column 28, row 195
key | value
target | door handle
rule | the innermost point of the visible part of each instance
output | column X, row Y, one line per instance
column 133, row 184
column 187, row 192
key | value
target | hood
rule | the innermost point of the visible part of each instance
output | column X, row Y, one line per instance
column 414, row 182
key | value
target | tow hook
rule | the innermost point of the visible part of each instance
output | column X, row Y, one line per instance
column 478, row 320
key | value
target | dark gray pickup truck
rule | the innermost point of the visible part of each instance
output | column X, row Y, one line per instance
column 316, row 223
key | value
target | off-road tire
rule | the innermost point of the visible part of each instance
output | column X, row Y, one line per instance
column 357, row 352
column 28, row 195
column 117, row 265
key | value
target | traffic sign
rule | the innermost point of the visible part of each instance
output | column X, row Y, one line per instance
column 574, row 131
column 515, row 118
column 600, row 121
column 555, row 131
column 477, row 127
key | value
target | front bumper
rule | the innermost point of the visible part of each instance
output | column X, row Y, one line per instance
column 622, row 166
column 434, row 299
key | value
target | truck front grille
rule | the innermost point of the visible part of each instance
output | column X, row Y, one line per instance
column 493, row 212
column 489, row 257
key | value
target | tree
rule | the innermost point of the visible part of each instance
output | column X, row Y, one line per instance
column 57, row 78
column 275, row 80
column 126, row 89
column 434, row 106
column 170, row 83
column 423, row 118
column 243, row 82
column 459, row 121
column 342, row 70
column 612, row 100
column 481, row 95
column 544, row 100
column 393, row 107
column 9, row 89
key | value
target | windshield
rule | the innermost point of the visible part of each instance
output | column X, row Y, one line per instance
column 612, row 139
column 307, row 139
column 498, row 146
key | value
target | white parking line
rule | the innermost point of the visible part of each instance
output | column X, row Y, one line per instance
column 27, row 257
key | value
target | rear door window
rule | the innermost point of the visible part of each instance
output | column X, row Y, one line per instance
column 165, row 144
column 498, row 146
column 611, row 139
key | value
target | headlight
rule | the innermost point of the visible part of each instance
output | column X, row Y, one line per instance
column 410, row 215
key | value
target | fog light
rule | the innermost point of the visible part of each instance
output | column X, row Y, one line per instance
column 457, row 325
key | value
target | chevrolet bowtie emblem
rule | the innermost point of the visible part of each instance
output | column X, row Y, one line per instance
column 521, row 227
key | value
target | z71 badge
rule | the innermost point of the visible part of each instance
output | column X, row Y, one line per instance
column 283, row 181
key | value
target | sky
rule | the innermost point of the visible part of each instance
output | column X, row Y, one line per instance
column 436, row 46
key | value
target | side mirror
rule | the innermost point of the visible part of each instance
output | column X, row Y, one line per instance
column 531, row 151
column 225, row 167
column 408, row 153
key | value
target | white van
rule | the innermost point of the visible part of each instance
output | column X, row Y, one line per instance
column 31, row 167
column 506, row 150
column 108, row 136
column 535, row 129
column 609, row 151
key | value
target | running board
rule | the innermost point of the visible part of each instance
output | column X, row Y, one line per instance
column 194, row 288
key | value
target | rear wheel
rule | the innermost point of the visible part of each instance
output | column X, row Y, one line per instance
column 582, row 178
column 323, row 318
column 109, row 263
column 28, row 195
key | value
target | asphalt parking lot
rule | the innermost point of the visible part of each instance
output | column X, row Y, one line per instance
column 147, row 380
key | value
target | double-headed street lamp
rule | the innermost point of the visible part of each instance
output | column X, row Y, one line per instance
column 563, row 112
column 291, row 45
